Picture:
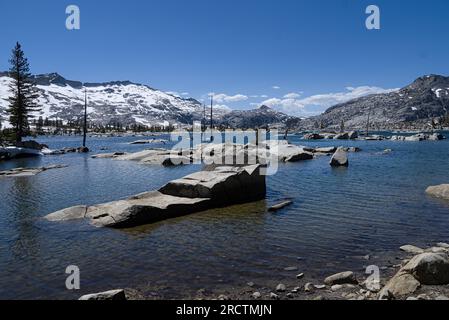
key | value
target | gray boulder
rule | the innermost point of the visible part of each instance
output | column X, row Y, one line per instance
column 402, row 284
column 441, row 191
column 224, row 185
column 429, row 268
column 340, row 158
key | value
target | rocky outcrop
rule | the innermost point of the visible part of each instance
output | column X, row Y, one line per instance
column 219, row 154
column 197, row 192
column 340, row 158
column 223, row 185
column 441, row 191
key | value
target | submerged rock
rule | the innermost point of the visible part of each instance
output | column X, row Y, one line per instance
column 280, row 206
column 340, row 158
column 28, row 172
column 149, row 141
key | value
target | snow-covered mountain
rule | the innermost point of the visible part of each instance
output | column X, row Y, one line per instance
column 124, row 102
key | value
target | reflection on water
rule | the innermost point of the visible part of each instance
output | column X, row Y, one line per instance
column 375, row 205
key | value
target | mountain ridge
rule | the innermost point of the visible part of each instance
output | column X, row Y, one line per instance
column 418, row 103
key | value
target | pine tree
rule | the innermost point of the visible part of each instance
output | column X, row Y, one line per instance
column 24, row 93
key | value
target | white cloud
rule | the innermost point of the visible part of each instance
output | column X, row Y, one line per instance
column 276, row 87
column 185, row 94
column 320, row 102
column 292, row 95
column 220, row 98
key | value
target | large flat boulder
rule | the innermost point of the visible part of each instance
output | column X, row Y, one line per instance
column 441, row 191
column 224, row 185
column 152, row 207
column 197, row 192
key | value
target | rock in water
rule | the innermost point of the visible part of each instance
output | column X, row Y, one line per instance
column 197, row 192
column 429, row 268
column 313, row 136
column 340, row 158
column 280, row 206
column 326, row 150
column 353, row 135
column 107, row 295
column 441, row 191
column 223, row 185
column 342, row 136
column 347, row 277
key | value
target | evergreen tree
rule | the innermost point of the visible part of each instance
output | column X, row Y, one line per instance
column 24, row 93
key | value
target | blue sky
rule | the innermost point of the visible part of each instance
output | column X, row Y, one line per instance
column 297, row 56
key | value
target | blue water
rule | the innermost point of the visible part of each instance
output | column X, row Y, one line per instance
column 372, row 207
